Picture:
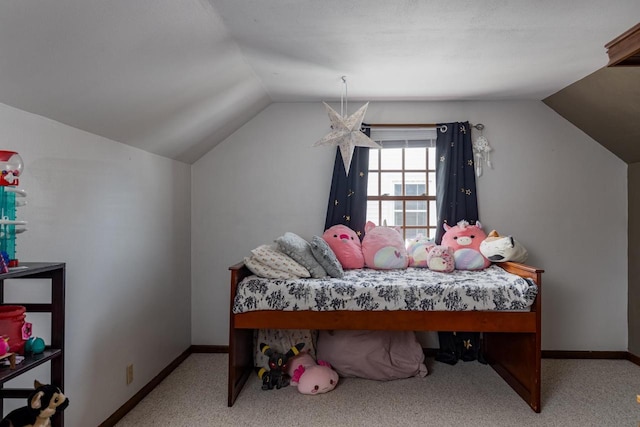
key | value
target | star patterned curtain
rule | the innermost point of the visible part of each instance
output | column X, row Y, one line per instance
column 348, row 195
column 456, row 197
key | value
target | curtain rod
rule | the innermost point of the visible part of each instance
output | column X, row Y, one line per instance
column 400, row 125
column 479, row 126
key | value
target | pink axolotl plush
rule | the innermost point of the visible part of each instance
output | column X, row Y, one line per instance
column 311, row 377
column 383, row 248
column 345, row 243
column 465, row 241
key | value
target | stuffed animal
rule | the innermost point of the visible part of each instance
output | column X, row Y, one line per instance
column 277, row 376
column 502, row 248
column 272, row 379
column 383, row 248
column 345, row 244
column 311, row 377
column 4, row 345
column 42, row 404
column 417, row 250
column 465, row 241
column 440, row 258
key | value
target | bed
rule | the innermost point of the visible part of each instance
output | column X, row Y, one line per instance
column 511, row 337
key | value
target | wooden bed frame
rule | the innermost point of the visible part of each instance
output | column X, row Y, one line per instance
column 511, row 340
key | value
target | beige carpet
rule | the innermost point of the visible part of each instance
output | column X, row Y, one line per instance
column 574, row 393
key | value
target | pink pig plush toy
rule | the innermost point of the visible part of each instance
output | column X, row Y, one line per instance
column 383, row 248
column 309, row 377
column 345, row 243
column 465, row 241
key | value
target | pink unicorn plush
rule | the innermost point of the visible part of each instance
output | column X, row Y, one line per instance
column 465, row 241
column 345, row 243
column 418, row 249
column 383, row 248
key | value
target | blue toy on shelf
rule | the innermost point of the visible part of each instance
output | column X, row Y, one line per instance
column 10, row 169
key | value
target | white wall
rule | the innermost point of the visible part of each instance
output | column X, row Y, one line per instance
column 554, row 188
column 120, row 218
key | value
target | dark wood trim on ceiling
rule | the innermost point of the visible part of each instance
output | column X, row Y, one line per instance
column 624, row 50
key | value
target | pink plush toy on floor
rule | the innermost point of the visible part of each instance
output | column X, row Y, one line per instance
column 465, row 241
column 345, row 243
column 309, row 377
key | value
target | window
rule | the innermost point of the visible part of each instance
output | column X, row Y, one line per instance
column 402, row 180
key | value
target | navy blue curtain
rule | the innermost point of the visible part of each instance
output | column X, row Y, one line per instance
column 348, row 196
column 456, row 197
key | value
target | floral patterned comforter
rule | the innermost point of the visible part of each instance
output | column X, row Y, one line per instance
column 410, row 289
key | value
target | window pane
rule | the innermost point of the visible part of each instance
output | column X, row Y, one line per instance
column 433, row 214
column 398, row 218
column 389, row 180
column 432, row 184
column 432, row 233
column 405, row 154
column 432, row 158
column 412, row 218
column 391, row 158
column 412, row 233
column 373, row 211
column 416, row 183
column 372, row 184
column 388, row 213
column 416, row 218
column 415, row 158
column 417, row 205
column 373, row 158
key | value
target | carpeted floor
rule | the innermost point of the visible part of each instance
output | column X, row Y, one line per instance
column 574, row 393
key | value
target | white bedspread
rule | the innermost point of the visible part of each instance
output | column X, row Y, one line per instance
column 410, row 289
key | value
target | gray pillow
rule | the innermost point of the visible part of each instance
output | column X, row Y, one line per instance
column 326, row 257
column 300, row 250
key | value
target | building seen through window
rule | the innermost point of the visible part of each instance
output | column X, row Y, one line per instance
column 402, row 180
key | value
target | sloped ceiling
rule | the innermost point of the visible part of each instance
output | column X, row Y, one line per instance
column 606, row 106
column 176, row 77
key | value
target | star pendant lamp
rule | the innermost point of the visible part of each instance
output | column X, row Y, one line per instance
column 346, row 134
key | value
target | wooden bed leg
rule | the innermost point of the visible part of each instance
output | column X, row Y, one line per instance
column 240, row 361
column 516, row 358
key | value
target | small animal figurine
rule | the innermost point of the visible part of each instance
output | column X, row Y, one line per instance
column 272, row 379
column 42, row 404
column 276, row 377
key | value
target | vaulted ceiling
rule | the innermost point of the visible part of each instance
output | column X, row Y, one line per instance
column 176, row 77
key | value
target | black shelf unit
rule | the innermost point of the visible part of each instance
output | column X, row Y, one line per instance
column 54, row 352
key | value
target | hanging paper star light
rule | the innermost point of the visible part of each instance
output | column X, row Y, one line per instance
column 346, row 133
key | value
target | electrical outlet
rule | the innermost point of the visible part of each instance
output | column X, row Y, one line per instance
column 129, row 374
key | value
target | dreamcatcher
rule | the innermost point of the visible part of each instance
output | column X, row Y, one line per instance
column 481, row 150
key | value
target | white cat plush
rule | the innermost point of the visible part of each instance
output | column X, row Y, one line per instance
column 502, row 248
